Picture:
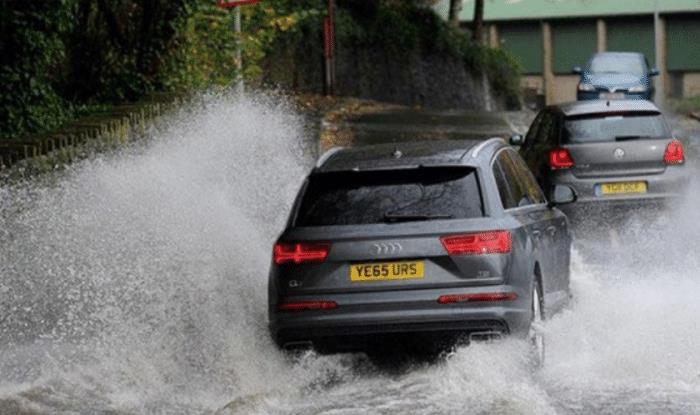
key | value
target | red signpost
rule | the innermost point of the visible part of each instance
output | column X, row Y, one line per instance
column 329, row 47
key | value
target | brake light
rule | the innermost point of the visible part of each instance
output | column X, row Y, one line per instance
column 560, row 158
column 308, row 305
column 300, row 252
column 494, row 242
column 674, row 153
column 478, row 297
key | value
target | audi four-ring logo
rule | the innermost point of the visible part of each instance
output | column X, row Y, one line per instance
column 386, row 248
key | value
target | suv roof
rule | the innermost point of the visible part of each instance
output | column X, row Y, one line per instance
column 383, row 156
column 593, row 107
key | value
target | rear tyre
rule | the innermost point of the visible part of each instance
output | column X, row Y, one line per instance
column 535, row 334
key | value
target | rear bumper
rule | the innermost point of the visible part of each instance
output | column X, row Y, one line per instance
column 661, row 188
column 361, row 319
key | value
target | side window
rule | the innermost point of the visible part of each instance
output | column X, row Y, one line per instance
column 536, row 157
column 502, row 184
column 554, row 131
column 507, row 182
column 532, row 132
column 527, row 182
column 544, row 131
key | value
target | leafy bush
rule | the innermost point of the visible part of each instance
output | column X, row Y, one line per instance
column 33, row 50
column 501, row 67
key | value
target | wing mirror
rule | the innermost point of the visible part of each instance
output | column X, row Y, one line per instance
column 516, row 139
column 577, row 70
column 562, row 195
column 654, row 71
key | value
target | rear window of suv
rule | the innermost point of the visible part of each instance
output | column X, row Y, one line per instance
column 353, row 198
column 592, row 128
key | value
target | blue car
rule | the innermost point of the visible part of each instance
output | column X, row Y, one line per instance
column 616, row 75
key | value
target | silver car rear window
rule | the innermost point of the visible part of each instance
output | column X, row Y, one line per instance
column 353, row 198
column 591, row 128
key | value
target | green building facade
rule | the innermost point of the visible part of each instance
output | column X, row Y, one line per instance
column 549, row 37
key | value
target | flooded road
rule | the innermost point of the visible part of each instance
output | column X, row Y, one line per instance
column 136, row 283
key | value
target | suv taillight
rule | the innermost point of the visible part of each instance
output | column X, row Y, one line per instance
column 674, row 153
column 560, row 158
column 494, row 242
column 300, row 252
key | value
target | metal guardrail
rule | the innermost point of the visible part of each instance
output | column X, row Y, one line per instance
column 116, row 126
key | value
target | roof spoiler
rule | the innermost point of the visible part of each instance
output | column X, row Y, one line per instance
column 328, row 154
column 477, row 149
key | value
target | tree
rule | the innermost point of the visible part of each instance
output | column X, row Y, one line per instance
column 455, row 11
column 478, row 22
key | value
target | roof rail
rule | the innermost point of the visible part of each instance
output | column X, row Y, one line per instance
column 325, row 156
column 475, row 150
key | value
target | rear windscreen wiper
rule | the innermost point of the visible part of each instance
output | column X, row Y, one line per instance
column 393, row 217
column 629, row 137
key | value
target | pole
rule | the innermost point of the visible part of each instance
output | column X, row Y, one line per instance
column 331, row 5
column 239, row 56
column 660, row 52
column 329, row 48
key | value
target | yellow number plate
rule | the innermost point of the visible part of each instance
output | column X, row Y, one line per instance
column 389, row 271
column 623, row 188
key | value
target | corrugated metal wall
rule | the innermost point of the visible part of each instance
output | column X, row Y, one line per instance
column 573, row 43
column 632, row 35
column 683, row 40
column 524, row 40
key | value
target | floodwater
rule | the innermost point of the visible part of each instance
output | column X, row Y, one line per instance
column 136, row 283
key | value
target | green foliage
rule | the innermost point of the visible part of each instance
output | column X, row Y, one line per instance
column 397, row 25
column 63, row 58
column 117, row 49
column 32, row 49
column 504, row 71
column 202, row 52
column 501, row 67
column 67, row 55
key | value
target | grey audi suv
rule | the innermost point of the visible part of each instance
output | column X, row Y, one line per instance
column 611, row 153
column 435, row 239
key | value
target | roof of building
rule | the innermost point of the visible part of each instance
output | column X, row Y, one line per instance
column 394, row 155
column 540, row 9
column 593, row 107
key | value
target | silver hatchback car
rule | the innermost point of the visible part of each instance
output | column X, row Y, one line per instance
column 438, row 240
column 611, row 153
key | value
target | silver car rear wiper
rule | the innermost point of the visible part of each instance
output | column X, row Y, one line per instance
column 393, row 217
column 630, row 137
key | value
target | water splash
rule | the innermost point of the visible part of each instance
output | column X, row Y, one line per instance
column 138, row 280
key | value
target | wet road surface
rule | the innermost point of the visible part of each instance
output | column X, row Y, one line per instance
column 136, row 283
